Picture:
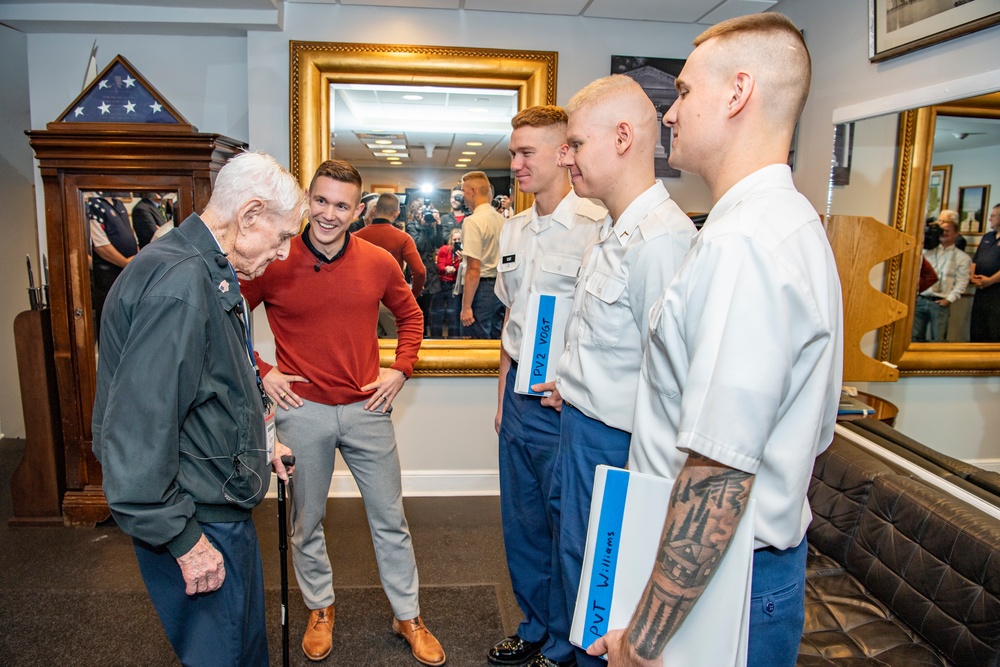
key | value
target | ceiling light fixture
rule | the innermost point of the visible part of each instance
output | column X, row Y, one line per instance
column 473, row 143
column 383, row 142
column 468, row 152
column 388, row 151
column 465, row 159
column 413, row 98
column 461, row 166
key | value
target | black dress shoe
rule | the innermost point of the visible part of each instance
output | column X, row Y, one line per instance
column 541, row 661
column 512, row 651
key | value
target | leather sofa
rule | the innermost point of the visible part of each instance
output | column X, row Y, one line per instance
column 899, row 571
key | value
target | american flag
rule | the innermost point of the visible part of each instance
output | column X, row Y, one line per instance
column 118, row 97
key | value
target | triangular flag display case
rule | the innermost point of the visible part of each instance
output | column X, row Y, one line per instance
column 119, row 135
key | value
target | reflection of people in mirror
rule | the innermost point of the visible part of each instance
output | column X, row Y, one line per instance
column 444, row 304
column 114, row 243
column 180, row 421
column 932, row 309
column 482, row 312
column 147, row 217
column 986, row 277
column 322, row 304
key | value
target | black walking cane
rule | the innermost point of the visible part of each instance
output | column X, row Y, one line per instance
column 287, row 460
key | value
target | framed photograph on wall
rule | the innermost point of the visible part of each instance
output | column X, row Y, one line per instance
column 972, row 202
column 937, row 190
column 901, row 26
column 657, row 77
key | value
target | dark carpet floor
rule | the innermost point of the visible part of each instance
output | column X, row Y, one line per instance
column 73, row 596
column 120, row 628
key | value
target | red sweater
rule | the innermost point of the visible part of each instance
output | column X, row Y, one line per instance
column 324, row 322
column 400, row 245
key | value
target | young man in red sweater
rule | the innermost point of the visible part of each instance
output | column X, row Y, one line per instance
column 322, row 305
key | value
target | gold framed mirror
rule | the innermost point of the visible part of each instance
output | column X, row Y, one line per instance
column 915, row 157
column 316, row 65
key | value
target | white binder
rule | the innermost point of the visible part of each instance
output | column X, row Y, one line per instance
column 626, row 524
column 542, row 341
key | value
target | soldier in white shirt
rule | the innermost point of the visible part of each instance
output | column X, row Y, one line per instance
column 482, row 312
column 611, row 140
column 540, row 255
column 742, row 372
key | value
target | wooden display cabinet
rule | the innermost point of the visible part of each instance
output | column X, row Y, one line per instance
column 80, row 157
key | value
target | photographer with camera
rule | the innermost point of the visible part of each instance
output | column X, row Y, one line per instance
column 453, row 220
column 952, row 266
column 423, row 224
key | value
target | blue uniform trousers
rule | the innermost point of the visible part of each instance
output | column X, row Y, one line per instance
column 224, row 628
column 584, row 443
column 488, row 310
column 529, row 441
column 777, row 606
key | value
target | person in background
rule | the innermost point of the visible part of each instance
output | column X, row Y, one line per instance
column 482, row 312
column 183, row 470
column 454, row 219
column 322, row 305
column 611, row 144
column 986, row 277
column 541, row 252
column 424, row 226
column 114, row 245
column 367, row 213
column 444, row 305
column 400, row 245
column 741, row 374
column 932, row 309
column 147, row 218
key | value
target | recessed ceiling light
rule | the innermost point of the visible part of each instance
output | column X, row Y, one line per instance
column 473, row 143
column 461, row 166
column 396, row 164
column 482, row 99
column 388, row 151
column 468, row 152
column 383, row 142
column 413, row 98
column 477, row 110
column 465, row 159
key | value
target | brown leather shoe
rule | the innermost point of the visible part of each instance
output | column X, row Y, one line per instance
column 425, row 647
column 318, row 640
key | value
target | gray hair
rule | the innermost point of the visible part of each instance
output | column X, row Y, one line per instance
column 256, row 175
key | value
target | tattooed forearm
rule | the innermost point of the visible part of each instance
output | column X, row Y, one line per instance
column 707, row 504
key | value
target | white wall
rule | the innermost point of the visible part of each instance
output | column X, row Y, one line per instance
column 17, row 218
column 956, row 415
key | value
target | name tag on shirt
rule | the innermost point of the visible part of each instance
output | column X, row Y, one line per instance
column 508, row 259
column 542, row 341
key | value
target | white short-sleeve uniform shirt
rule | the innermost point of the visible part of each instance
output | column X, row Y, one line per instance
column 481, row 238
column 628, row 269
column 745, row 352
column 542, row 255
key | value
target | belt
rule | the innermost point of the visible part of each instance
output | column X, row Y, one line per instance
column 487, row 280
column 930, row 297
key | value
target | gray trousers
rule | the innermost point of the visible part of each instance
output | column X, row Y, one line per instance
column 368, row 444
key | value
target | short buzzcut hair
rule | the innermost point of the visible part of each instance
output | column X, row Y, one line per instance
column 386, row 205
column 338, row 170
column 479, row 177
column 542, row 115
column 603, row 89
column 256, row 175
column 777, row 53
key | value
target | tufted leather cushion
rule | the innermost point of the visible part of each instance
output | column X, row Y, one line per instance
column 846, row 626
column 842, row 479
column 935, row 563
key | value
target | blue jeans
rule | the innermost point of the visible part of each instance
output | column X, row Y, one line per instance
column 488, row 311
column 777, row 606
column 529, row 442
column 927, row 313
column 224, row 628
column 584, row 443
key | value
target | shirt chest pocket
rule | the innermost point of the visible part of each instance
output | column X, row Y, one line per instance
column 558, row 274
column 603, row 311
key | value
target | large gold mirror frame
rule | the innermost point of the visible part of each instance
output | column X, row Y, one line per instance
column 915, row 151
column 316, row 65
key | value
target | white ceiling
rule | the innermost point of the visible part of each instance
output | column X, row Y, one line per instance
column 226, row 17
column 952, row 133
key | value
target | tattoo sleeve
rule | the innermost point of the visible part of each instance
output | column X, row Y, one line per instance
column 706, row 505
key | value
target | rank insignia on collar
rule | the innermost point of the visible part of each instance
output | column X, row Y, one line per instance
column 224, row 286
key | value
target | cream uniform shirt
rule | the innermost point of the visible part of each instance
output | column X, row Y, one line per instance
column 625, row 273
column 745, row 353
column 543, row 256
column 481, row 239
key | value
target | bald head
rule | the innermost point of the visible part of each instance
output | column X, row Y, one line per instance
column 769, row 46
column 615, row 99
